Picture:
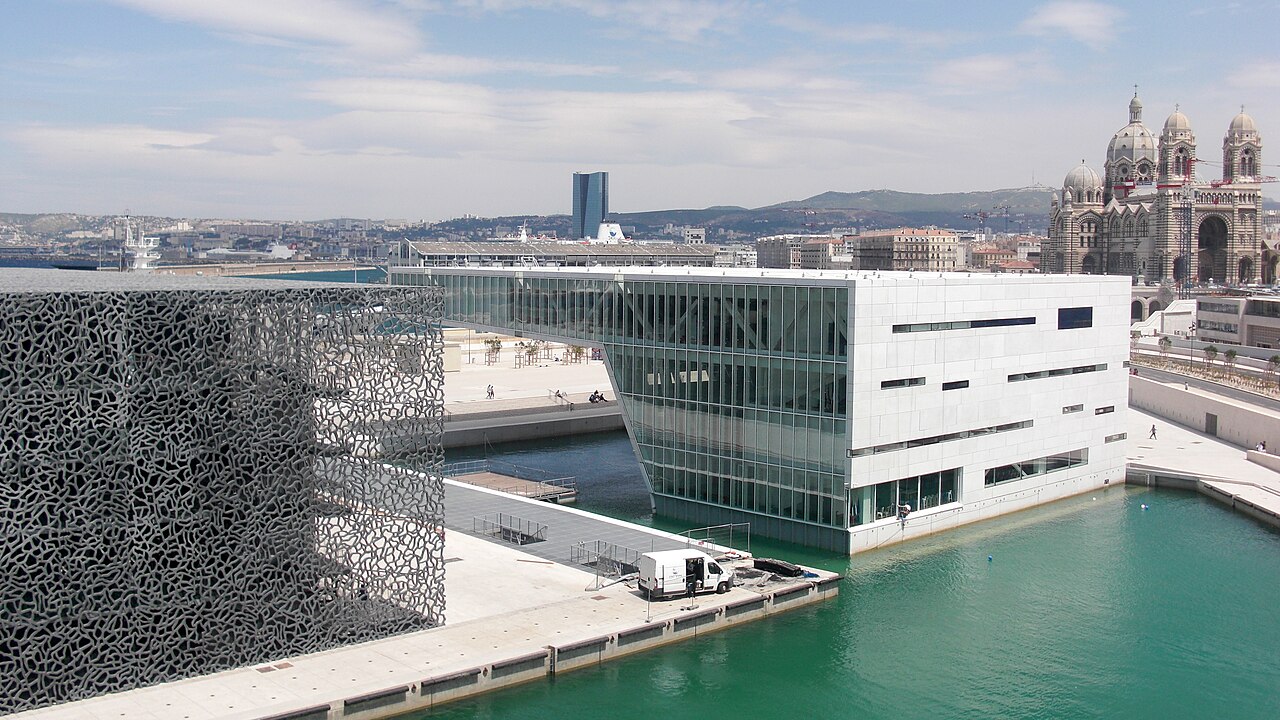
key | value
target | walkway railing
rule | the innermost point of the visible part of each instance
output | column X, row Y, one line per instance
column 727, row 535
column 459, row 470
column 512, row 529
column 605, row 557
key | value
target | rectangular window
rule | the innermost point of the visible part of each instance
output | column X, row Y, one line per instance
column 920, row 442
column 1067, row 410
column 955, row 385
column 1117, row 437
column 1038, row 466
column 901, row 382
column 963, row 324
column 887, row 499
column 1057, row 372
column 1104, row 410
column 1075, row 318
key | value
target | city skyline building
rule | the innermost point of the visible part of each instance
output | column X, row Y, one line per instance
column 1134, row 219
column 590, row 203
column 814, row 405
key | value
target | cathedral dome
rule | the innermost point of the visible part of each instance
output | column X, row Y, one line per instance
column 1133, row 142
column 1082, row 177
column 1177, row 122
column 1242, row 124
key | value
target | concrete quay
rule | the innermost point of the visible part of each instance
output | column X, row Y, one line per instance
column 1192, row 458
column 524, row 406
column 514, row 615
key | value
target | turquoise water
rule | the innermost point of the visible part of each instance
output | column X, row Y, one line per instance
column 1091, row 607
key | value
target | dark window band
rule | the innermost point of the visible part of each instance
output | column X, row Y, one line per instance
column 901, row 382
column 1057, row 372
column 920, row 442
column 955, row 385
column 1038, row 466
column 963, row 324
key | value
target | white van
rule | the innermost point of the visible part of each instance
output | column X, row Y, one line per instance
column 671, row 572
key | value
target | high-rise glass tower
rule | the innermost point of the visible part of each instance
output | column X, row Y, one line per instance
column 590, row 203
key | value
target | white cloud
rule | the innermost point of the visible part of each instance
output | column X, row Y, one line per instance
column 1090, row 23
column 366, row 28
column 684, row 20
column 989, row 73
column 865, row 32
column 445, row 65
column 1255, row 75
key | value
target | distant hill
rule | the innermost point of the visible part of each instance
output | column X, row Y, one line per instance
column 1027, row 200
column 1027, row 209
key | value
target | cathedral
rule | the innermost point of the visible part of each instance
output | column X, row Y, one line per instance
column 1148, row 216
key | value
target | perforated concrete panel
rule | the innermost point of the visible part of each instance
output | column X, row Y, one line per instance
column 194, row 476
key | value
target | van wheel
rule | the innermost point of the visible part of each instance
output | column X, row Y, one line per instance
column 722, row 588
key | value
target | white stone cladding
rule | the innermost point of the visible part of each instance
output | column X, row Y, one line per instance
column 985, row 357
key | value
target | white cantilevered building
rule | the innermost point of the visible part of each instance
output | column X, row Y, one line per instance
column 816, row 404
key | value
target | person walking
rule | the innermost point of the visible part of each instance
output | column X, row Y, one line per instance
column 489, row 390
column 1152, row 436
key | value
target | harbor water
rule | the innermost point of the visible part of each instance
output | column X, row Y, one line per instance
column 1089, row 607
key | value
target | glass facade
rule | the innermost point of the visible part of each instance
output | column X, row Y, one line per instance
column 590, row 203
column 734, row 394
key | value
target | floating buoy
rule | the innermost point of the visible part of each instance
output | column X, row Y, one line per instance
column 988, row 558
column 1144, row 506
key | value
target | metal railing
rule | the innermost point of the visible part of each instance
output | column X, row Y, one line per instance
column 727, row 535
column 606, row 557
column 459, row 470
column 509, row 528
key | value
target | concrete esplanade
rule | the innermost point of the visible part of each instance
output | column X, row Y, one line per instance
column 1205, row 441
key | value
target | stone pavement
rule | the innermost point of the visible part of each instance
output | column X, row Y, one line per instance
column 1180, row 451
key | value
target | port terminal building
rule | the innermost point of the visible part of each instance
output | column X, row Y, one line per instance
column 818, row 405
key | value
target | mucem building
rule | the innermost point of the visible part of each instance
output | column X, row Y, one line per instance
column 819, row 405
column 194, row 475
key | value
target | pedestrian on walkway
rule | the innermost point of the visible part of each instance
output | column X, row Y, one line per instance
column 489, row 390
column 1152, row 436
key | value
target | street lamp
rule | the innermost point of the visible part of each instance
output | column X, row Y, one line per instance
column 1191, row 345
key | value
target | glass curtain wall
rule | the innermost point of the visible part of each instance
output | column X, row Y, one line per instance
column 735, row 393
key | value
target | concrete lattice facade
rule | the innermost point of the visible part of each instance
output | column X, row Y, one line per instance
column 1135, row 218
column 192, row 476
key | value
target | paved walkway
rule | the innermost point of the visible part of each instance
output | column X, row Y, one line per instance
column 1182, row 451
column 565, row 526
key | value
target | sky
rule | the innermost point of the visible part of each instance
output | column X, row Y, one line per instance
column 432, row 109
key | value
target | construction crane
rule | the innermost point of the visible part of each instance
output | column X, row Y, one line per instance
column 980, row 216
column 1004, row 213
column 1256, row 178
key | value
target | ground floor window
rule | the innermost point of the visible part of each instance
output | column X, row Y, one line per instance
column 882, row 500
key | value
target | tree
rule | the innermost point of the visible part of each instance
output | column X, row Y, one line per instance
column 1273, row 364
column 531, row 350
column 1165, row 343
column 1210, row 354
column 1229, row 357
column 494, row 345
